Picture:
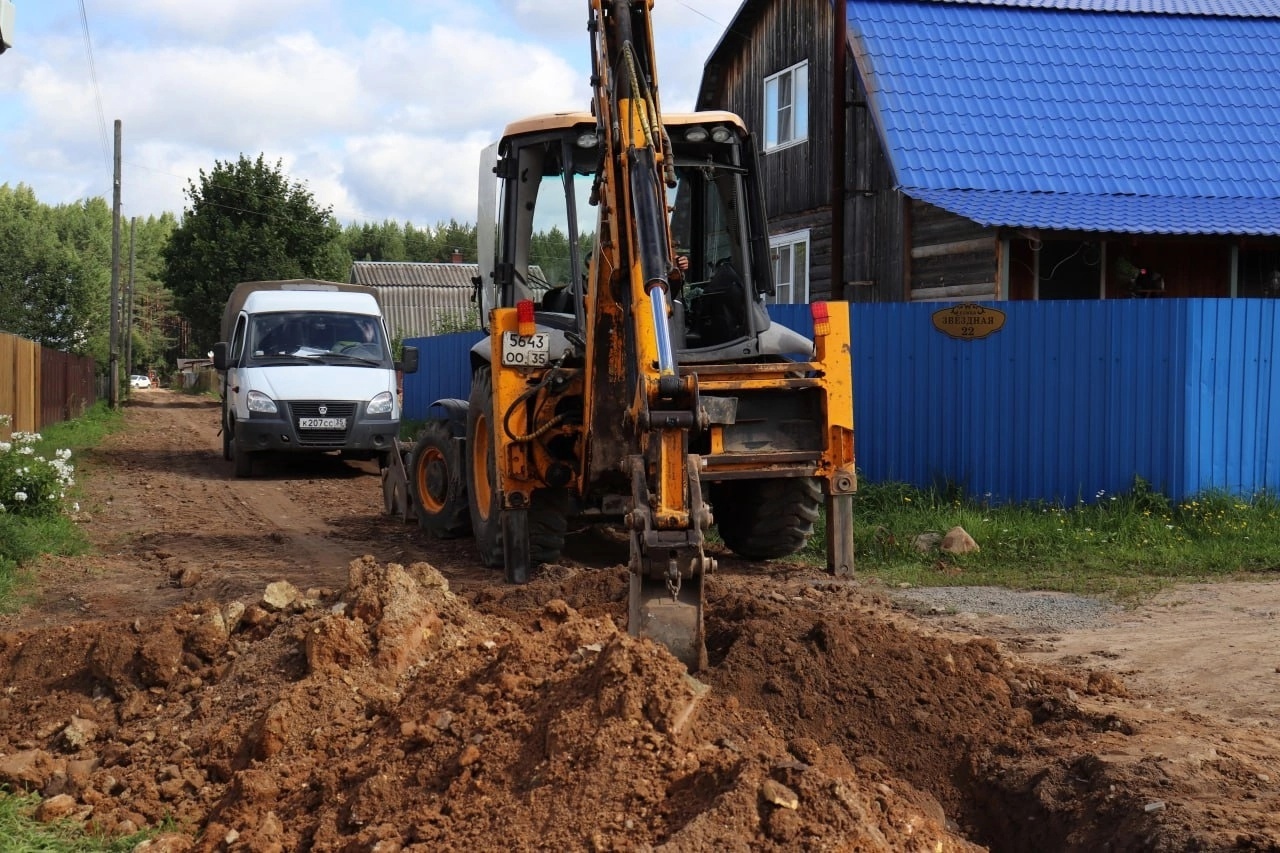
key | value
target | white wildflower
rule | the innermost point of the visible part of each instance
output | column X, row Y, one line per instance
column 19, row 496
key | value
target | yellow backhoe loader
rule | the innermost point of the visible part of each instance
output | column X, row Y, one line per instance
column 631, row 374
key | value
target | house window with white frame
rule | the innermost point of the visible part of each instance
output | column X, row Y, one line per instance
column 786, row 107
column 790, row 253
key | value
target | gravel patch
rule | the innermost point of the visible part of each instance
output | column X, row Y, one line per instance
column 1039, row 612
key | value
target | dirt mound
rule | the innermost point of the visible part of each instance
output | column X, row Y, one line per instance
column 176, row 674
column 394, row 714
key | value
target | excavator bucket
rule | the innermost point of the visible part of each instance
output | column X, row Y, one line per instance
column 667, row 572
column 670, row 616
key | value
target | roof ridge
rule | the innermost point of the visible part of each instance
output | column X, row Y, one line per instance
column 1190, row 8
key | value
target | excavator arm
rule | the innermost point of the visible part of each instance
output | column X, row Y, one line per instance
column 631, row 281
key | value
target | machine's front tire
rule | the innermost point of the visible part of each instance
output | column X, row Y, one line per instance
column 766, row 519
column 548, row 508
column 482, row 476
column 439, row 483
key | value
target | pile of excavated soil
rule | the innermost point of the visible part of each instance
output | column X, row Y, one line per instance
column 173, row 676
column 395, row 716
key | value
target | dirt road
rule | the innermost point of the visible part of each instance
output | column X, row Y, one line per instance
column 396, row 696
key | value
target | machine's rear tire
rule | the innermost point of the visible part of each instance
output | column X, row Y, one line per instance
column 438, row 482
column 766, row 519
column 482, row 476
column 548, row 508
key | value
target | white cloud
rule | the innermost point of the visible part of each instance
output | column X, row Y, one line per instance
column 380, row 107
column 410, row 178
column 224, row 21
column 446, row 80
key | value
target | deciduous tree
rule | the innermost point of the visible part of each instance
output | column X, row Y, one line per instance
column 246, row 222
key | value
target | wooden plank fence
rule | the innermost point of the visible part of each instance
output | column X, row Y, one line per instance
column 41, row 386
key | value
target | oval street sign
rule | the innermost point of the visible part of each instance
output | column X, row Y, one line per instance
column 968, row 322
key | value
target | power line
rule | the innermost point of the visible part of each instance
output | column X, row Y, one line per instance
column 97, row 90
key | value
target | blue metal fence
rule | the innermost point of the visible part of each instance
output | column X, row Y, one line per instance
column 444, row 370
column 1067, row 402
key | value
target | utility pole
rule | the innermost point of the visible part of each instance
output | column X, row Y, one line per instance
column 113, row 379
column 128, row 303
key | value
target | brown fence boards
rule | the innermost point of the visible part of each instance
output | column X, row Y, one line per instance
column 41, row 386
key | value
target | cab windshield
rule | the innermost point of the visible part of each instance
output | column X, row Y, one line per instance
column 318, row 337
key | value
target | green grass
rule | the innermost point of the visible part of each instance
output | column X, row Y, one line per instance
column 84, row 432
column 23, row 539
column 1126, row 545
column 20, row 832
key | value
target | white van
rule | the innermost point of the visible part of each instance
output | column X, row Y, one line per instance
column 307, row 368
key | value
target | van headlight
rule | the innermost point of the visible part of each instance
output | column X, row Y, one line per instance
column 259, row 402
column 381, row 404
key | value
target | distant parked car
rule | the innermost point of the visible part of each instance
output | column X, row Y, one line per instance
column 139, row 381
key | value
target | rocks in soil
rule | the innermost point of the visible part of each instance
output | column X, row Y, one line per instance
column 394, row 715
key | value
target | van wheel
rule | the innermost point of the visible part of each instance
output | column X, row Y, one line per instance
column 226, row 434
column 243, row 460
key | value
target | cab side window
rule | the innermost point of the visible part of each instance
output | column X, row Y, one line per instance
column 237, row 341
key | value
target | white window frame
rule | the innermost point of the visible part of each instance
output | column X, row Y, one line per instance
column 786, row 124
column 788, row 288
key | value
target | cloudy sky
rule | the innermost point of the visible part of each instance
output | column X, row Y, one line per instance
column 380, row 107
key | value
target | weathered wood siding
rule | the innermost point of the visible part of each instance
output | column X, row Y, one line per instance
column 796, row 179
column 818, row 222
column 951, row 258
column 874, row 265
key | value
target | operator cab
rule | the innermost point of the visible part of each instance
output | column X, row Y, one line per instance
column 542, row 184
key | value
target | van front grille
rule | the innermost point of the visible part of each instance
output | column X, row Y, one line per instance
column 322, row 437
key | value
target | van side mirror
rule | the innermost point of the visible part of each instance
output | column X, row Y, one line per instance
column 409, row 360
column 220, row 355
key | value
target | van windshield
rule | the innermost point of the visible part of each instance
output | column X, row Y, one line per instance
column 320, row 337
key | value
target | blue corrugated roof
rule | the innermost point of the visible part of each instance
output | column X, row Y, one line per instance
column 1073, row 114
